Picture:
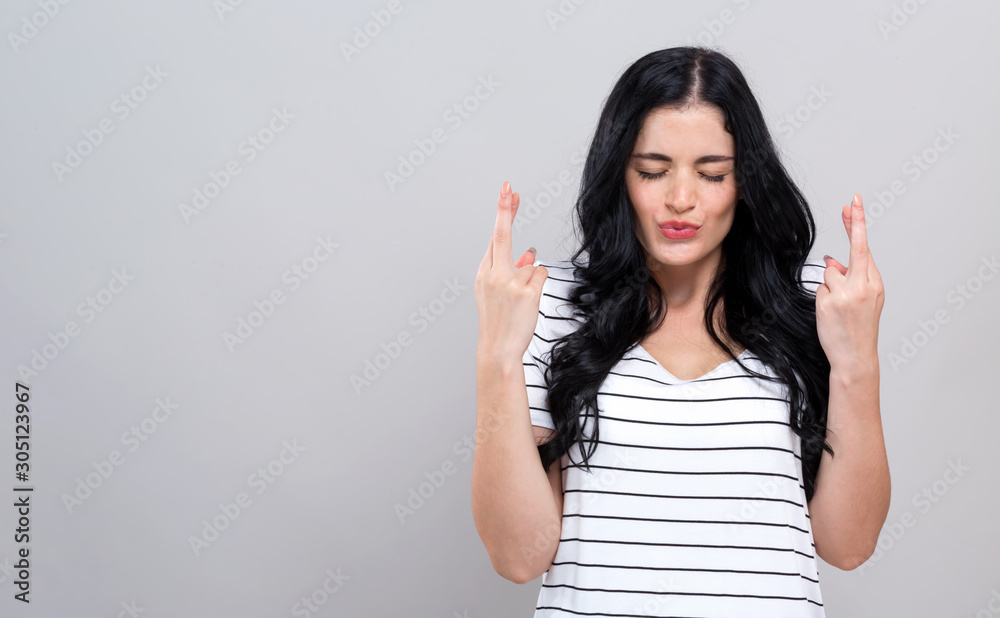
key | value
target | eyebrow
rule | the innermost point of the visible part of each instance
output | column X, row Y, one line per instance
column 655, row 156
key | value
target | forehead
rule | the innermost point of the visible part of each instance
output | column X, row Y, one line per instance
column 695, row 130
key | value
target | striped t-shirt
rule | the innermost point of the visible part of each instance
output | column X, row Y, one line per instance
column 696, row 505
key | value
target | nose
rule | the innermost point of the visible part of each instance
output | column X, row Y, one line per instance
column 680, row 192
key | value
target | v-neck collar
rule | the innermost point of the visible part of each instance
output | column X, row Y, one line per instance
column 642, row 351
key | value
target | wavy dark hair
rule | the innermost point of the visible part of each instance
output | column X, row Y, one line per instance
column 619, row 303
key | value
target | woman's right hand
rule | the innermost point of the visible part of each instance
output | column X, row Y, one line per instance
column 508, row 293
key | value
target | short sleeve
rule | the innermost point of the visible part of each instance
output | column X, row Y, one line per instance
column 812, row 274
column 535, row 361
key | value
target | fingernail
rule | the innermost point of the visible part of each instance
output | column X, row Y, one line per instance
column 532, row 249
column 505, row 190
column 827, row 257
column 854, row 201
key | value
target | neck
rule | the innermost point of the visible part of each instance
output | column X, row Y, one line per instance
column 686, row 286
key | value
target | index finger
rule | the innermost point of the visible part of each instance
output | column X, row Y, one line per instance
column 503, row 229
column 858, row 259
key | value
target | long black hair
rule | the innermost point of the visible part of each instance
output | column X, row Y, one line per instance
column 619, row 303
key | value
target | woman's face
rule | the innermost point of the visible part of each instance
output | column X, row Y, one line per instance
column 682, row 169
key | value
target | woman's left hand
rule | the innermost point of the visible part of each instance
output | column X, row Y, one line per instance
column 849, row 302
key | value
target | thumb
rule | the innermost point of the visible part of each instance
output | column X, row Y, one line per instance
column 528, row 257
column 834, row 263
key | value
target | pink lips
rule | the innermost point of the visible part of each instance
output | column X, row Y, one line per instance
column 678, row 230
column 678, row 234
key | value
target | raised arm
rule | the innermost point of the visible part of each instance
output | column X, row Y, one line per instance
column 516, row 505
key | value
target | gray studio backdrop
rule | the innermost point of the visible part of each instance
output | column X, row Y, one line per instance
column 238, row 243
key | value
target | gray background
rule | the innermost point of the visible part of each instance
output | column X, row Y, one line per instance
column 333, row 506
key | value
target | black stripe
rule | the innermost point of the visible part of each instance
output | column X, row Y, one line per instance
column 538, row 360
column 629, row 375
column 643, row 360
column 556, row 317
column 554, row 265
column 627, row 493
column 613, row 542
column 563, row 609
column 648, row 568
column 787, row 476
column 688, row 521
column 691, row 400
column 630, row 420
column 653, row 362
column 695, row 594
column 544, row 339
column 698, row 448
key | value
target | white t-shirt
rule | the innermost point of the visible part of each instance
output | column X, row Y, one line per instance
column 696, row 505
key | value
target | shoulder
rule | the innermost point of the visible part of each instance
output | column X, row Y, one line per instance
column 555, row 308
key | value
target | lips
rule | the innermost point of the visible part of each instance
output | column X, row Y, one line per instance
column 674, row 224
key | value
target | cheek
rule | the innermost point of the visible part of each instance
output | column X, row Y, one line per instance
column 642, row 199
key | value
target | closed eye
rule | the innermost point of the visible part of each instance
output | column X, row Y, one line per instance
column 648, row 176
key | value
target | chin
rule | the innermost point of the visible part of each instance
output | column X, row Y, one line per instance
column 679, row 255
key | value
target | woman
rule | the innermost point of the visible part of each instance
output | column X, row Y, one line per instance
column 708, row 393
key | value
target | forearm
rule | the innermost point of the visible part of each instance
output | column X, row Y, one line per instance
column 512, row 500
column 852, row 494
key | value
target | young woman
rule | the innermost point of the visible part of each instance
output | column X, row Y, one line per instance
column 680, row 418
